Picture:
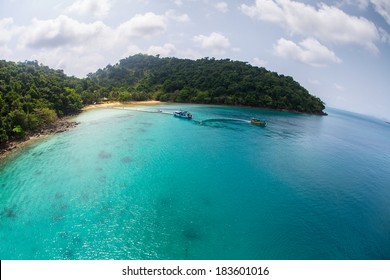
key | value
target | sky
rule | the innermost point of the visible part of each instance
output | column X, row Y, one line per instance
column 337, row 49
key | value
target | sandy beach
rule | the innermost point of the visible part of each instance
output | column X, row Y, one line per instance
column 116, row 104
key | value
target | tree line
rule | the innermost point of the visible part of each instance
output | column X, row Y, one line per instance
column 206, row 80
column 34, row 95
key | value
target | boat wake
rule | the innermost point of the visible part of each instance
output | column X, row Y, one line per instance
column 223, row 120
column 215, row 122
column 228, row 123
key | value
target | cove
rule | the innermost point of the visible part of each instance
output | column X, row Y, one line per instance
column 128, row 184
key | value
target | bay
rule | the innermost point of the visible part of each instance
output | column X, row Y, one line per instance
column 134, row 183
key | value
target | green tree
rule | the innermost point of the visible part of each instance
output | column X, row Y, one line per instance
column 73, row 101
column 18, row 131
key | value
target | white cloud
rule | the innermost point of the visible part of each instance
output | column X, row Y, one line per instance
column 6, row 26
column 8, row 31
column 215, row 42
column 222, row 7
column 314, row 82
column 266, row 10
column 259, row 62
column 309, row 51
column 171, row 14
column 190, row 53
column 79, row 47
column 326, row 23
column 75, row 61
column 5, row 51
column 68, row 44
column 148, row 25
column 165, row 50
column 132, row 50
column 383, row 8
column 97, row 8
column 385, row 37
column 361, row 4
column 178, row 2
column 62, row 31
column 143, row 26
column 339, row 87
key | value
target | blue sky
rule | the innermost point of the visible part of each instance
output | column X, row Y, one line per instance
column 338, row 49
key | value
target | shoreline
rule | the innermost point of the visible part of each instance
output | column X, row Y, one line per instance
column 109, row 104
column 12, row 147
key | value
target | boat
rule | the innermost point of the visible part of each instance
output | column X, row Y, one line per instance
column 257, row 121
column 183, row 114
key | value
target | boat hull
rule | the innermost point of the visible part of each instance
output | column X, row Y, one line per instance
column 258, row 123
column 183, row 115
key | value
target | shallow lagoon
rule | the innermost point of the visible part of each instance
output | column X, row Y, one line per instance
column 127, row 184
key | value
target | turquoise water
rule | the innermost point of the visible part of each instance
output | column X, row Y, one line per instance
column 126, row 184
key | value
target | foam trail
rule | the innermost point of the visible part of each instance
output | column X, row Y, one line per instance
column 224, row 120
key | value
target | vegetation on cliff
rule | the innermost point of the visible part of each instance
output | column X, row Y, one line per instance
column 33, row 96
column 206, row 80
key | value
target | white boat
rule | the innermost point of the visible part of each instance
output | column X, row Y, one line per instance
column 183, row 114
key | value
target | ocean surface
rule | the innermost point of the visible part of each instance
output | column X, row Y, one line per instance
column 134, row 183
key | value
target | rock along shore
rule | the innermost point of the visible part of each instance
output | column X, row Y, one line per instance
column 58, row 126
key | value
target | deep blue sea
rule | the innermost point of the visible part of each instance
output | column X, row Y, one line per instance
column 129, row 184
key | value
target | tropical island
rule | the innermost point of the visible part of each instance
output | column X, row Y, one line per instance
column 34, row 97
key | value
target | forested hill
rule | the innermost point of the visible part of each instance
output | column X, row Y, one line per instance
column 203, row 81
column 33, row 95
